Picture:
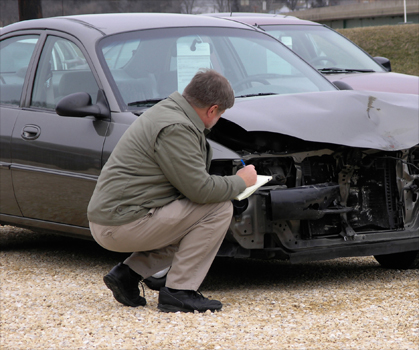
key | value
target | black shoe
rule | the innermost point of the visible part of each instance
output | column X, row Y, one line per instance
column 123, row 282
column 172, row 300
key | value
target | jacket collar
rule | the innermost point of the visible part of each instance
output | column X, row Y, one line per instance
column 189, row 111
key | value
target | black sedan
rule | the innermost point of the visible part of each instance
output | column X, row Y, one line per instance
column 345, row 164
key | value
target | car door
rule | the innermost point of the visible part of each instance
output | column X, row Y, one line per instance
column 56, row 160
column 15, row 56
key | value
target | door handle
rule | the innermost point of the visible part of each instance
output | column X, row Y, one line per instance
column 31, row 132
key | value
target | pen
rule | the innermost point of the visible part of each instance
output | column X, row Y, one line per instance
column 244, row 164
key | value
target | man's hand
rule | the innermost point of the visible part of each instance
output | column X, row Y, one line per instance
column 248, row 174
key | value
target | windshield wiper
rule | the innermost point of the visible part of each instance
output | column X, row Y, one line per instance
column 146, row 103
column 259, row 94
column 332, row 70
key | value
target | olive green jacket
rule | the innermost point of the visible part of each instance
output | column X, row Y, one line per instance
column 163, row 156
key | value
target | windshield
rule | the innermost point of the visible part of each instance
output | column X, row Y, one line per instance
column 147, row 66
column 323, row 47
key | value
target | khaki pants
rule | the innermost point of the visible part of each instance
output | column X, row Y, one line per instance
column 182, row 234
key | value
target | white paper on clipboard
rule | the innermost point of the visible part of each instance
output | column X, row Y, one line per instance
column 190, row 58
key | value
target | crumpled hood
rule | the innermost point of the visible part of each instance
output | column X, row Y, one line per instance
column 379, row 81
column 377, row 120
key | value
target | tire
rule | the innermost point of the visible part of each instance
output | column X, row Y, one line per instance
column 157, row 281
column 404, row 260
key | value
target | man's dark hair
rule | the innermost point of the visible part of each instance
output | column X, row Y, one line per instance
column 208, row 88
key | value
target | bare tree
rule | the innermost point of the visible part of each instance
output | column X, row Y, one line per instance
column 258, row 5
column 222, row 5
column 29, row 9
column 187, row 6
column 292, row 4
column 319, row 3
column 157, row 6
column 227, row 5
column 235, row 5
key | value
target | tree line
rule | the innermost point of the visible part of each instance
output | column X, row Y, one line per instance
column 31, row 9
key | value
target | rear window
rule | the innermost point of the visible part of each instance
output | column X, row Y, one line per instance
column 15, row 55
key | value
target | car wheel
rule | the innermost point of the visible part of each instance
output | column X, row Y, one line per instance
column 404, row 260
column 158, row 280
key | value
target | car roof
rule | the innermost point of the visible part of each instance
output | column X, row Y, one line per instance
column 107, row 24
column 245, row 14
column 269, row 20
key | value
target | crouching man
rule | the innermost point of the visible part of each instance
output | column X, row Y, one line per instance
column 155, row 198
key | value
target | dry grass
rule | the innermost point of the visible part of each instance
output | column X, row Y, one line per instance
column 398, row 43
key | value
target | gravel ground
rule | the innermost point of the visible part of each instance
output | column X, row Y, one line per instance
column 53, row 297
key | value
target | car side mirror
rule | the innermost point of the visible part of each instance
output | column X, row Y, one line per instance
column 80, row 104
column 385, row 62
column 341, row 85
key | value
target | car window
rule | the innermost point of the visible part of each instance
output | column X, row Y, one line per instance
column 323, row 47
column 62, row 70
column 150, row 65
column 15, row 55
column 266, row 66
column 118, row 54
